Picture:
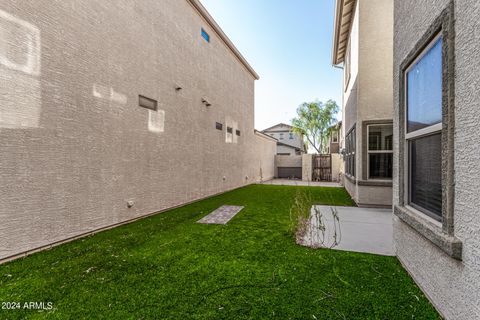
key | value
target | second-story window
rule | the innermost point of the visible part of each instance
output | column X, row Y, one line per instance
column 205, row 35
column 335, row 136
column 290, row 136
column 281, row 136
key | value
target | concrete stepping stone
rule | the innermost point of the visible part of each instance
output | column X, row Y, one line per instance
column 221, row 215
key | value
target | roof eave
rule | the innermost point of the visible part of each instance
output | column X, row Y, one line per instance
column 344, row 11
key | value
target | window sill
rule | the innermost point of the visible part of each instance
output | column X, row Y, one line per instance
column 433, row 232
column 350, row 178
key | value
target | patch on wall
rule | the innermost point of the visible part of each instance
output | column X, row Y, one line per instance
column 232, row 126
column 19, row 71
column 19, row 44
column 156, row 121
column 108, row 93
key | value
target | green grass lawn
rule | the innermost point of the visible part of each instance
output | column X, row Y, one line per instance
column 168, row 266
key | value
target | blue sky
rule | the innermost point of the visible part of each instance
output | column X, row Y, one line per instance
column 288, row 43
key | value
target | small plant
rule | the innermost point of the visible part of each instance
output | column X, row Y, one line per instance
column 300, row 213
column 311, row 227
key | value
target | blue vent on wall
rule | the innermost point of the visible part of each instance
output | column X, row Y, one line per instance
column 205, row 35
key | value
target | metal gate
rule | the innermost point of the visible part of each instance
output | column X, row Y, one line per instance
column 322, row 167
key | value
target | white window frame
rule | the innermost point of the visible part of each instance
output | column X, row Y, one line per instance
column 376, row 151
column 430, row 130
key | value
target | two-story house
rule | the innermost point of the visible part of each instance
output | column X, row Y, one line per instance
column 117, row 110
column 289, row 143
column 362, row 45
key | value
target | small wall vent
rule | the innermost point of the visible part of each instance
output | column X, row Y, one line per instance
column 147, row 103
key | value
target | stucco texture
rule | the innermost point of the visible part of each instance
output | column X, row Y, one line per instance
column 74, row 144
column 452, row 285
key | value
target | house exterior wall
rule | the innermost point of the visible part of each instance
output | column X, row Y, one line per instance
column 74, row 144
column 282, row 150
column 452, row 285
column 368, row 95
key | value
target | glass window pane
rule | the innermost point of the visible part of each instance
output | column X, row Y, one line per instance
column 205, row 35
column 426, row 174
column 380, row 137
column 424, row 90
column 380, row 165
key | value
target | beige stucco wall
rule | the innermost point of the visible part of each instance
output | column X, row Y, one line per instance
column 285, row 149
column 288, row 161
column 74, row 144
column 452, row 285
column 337, row 166
column 307, row 167
column 369, row 93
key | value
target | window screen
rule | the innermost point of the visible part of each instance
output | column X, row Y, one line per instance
column 426, row 173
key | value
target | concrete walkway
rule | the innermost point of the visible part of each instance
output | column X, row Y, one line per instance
column 288, row 182
column 356, row 229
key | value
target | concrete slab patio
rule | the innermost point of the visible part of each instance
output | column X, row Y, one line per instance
column 292, row 182
column 356, row 229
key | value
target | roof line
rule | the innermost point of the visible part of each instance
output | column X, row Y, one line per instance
column 263, row 135
column 289, row 145
column 278, row 124
column 213, row 24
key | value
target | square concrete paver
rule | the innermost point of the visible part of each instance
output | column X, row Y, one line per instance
column 357, row 229
column 221, row 215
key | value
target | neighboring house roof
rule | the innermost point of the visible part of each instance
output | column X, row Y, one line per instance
column 263, row 135
column 337, row 125
column 211, row 22
column 279, row 125
column 344, row 12
column 288, row 145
